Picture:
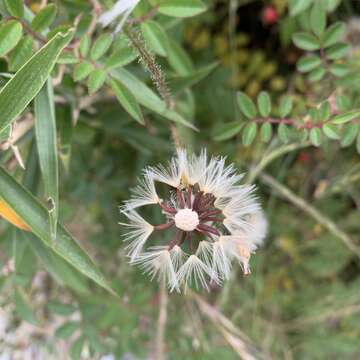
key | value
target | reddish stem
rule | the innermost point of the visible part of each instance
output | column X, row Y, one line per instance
column 209, row 213
column 207, row 229
column 168, row 209
column 180, row 198
column 212, row 218
column 197, row 199
column 164, row 226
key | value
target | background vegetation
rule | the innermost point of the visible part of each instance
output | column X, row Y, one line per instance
column 273, row 85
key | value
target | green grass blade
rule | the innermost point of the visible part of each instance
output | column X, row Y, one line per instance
column 45, row 131
column 146, row 97
column 27, row 82
column 30, row 210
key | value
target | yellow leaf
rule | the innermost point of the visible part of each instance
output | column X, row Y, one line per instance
column 8, row 214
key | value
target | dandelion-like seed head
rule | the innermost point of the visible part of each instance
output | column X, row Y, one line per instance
column 211, row 218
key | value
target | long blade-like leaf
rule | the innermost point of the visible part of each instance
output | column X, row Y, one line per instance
column 146, row 97
column 30, row 210
column 27, row 82
column 45, row 131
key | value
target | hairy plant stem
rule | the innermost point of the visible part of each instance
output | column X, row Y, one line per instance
column 149, row 62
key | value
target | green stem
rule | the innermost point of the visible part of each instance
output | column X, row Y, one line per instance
column 313, row 212
column 267, row 159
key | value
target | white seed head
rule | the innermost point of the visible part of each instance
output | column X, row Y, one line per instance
column 186, row 219
column 206, row 186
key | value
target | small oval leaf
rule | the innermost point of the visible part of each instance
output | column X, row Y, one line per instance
column 246, row 105
column 264, row 104
column 181, row 8
column 249, row 133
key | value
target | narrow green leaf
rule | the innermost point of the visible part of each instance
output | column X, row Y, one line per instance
column 64, row 120
column 315, row 136
column 181, row 8
column 82, row 70
column 120, row 57
column 264, row 104
column 246, row 105
column 333, row 33
column 228, row 131
column 21, row 53
column 46, row 140
column 76, row 348
column 178, row 59
column 84, row 46
column 29, row 209
column 298, row 6
column 101, row 46
column 249, row 133
column 127, row 100
column 283, row 133
column 306, row 41
column 155, row 36
column 318, row 18
column 331, row 131
column 44, row 18
column 66, row 330
column 349, row 134
column 96, row 80
column 358, row 143
column 180, row 83
column 56, row 266
column 266, row 132
column 60, row 308
column 27, row 82
column 10, row 35
column 345, row 117
column 286, row 105
column 146, row 97
column 337, row 51
column 15, row 7
column 22, row 306
column 5, row 134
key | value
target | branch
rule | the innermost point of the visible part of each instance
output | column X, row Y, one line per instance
column 267, row 159
column 240, row 343
column 160, row 343
column 316, row 214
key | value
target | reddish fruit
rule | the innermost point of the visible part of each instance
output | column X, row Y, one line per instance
column 269, row 15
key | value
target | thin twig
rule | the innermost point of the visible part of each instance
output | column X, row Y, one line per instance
column 160, row 334
column 316, row 214
column 241, row 344
column 330, row 315
column 266, row 160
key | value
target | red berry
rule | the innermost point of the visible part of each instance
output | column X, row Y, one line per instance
column 269, row 15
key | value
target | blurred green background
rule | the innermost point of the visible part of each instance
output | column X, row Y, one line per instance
column 302, row 300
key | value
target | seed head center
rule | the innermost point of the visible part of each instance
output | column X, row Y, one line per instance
column 186, row 219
